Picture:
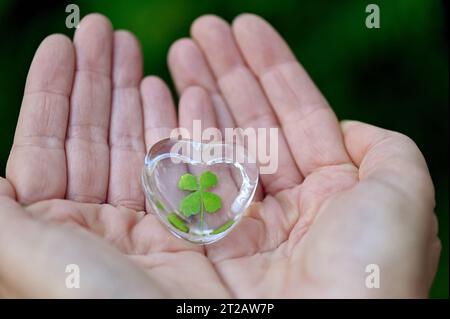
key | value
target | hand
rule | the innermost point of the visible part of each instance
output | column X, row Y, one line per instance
column 72, row 193
column 78, row 151
column 346, row 195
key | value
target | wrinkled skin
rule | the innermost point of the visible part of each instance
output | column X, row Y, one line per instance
column 345, row 195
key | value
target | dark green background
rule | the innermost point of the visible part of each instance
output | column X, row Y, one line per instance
column 395, row 77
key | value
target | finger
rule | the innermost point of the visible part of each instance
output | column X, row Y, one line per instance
column 384, row 156
column 159, row 110
column 37, row 163
column 87, row 137
column 159, row 122
column 126, row 135
column 243, row 94
column 309, row 124
column 196, row 105
column 189, row 68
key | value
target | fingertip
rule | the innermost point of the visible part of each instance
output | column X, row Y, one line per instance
column 127, row 60
column 247, row 19
column 93, row 24
column 189, row 67
column 97, row 20
column 52, row 66
column 181, row 60
column 93, row 41
column 126, row 37
column 57, row 46
column 248, row 26
column 61, row 41
column 207, row 23
column 157, row 98
column 261, row 45
column 153, row 84
column 178, row 49
column 215, row 38
column 158, row 109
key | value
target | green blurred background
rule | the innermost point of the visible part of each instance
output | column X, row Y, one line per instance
column 395, row 77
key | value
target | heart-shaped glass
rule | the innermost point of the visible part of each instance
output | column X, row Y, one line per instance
column 199, row 190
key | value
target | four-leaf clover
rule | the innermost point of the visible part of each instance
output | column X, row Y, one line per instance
column 200, row 200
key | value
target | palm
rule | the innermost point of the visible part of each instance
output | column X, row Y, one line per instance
column 305, row 236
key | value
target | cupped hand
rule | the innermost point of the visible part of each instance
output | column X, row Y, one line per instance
column 345, row 195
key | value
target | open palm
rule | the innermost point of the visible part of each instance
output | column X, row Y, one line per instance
column 344, row 196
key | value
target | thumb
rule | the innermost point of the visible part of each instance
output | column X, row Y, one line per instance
column 394, row 160
column 388, row 157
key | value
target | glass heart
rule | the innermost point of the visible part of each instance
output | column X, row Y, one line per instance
column 199, row 191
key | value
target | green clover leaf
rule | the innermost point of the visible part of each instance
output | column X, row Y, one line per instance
column 188, row 182
column 211, row 202
column 177, row 222
column 190, row 205
column 200, row 200
column 208, row 180
column 223, row 228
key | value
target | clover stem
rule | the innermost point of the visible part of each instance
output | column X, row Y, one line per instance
column 202, row 217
